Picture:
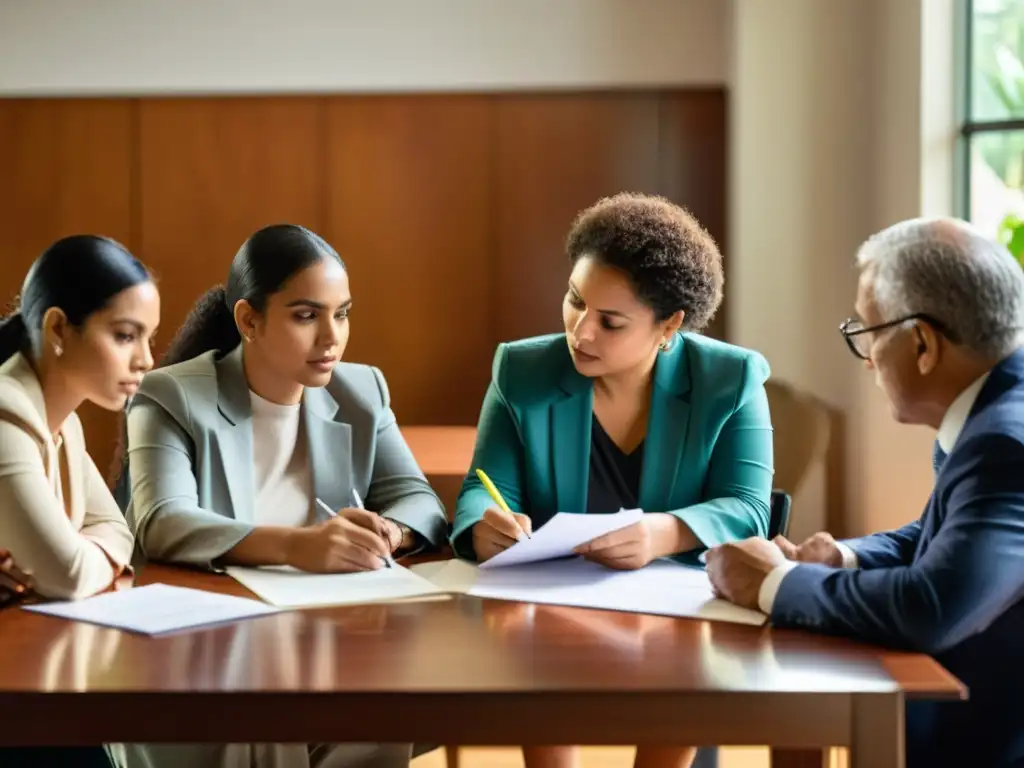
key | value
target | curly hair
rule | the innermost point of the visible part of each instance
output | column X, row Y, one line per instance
column 671, row 260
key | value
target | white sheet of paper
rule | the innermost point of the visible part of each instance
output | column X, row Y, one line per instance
column 290, row 588
column 663, row 588
column 156, row 609
column 560, row 535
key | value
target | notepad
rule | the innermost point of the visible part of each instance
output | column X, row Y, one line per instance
column 662, row 588
column 287, row 587
column 560, row 535
column 156, row 609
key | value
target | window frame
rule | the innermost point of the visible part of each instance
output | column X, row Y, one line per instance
column 970, row 127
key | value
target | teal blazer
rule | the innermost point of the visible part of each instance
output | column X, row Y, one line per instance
column 707, row 454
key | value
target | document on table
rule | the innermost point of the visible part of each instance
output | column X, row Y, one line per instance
column 662, row 588
column 156, row 609
column 560, row 535
column 290, row 588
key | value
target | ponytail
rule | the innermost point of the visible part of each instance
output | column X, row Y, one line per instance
column 210, row 325
column 13, row 336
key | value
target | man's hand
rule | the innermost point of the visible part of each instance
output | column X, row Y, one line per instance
column 656, row 535
column 738, row 569
column 819, row 548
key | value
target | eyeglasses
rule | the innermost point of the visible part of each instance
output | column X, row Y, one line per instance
column 855, row 332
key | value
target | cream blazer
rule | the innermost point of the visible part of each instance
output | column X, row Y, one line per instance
column 64, row 527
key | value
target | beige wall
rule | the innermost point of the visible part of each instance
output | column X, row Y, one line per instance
column 130, row 47
column 841, row 121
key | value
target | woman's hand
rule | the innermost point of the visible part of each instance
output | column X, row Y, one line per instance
column 655, row 535
column 497, row 531
column 15, row 584
column 355, row 540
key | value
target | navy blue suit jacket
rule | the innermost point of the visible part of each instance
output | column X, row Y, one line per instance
column 950, row 585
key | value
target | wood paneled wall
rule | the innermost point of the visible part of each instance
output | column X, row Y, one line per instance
column 449, row 210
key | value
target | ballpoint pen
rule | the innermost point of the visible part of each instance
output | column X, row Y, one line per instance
column 498, row 499
column 389, row 561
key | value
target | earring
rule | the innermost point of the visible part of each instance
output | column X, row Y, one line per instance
column 58, row 350
column 248, row 339
column 664, row 345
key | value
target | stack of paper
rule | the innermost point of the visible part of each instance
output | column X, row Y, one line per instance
column 290, row 588
column 156, row 609
column 662, row 588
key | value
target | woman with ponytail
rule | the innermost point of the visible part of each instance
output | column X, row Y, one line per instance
column 87, row 312
column 249, row 428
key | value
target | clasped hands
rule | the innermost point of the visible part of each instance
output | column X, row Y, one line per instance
column 354, row 540
column 15, row 584
column 738, row 569
column 656, row 535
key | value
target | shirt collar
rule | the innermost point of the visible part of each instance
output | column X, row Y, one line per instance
column 957, row 413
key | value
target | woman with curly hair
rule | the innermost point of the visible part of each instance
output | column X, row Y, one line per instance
column 629, row 408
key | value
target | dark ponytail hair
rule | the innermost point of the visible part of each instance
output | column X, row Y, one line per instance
column 263, row 264
column 79, row 275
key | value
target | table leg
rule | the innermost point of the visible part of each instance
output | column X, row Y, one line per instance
column 878, row 736
column 800, row 758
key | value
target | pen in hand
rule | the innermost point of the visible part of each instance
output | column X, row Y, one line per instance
column 492, row 489
column 389, row 561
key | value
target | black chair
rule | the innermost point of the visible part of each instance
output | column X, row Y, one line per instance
column 778, row 524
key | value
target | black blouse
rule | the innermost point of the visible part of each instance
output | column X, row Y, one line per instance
column 614, row 476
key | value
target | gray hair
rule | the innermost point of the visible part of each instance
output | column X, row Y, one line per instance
column 947, row 269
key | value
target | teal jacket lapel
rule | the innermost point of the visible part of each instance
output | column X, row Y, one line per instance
column 667, row 426
column 235, row 437
column 571, row 422
column 330, row 451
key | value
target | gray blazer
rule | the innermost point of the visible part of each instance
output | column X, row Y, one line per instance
column 190, row 457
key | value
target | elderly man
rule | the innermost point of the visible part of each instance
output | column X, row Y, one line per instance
column 941, row 310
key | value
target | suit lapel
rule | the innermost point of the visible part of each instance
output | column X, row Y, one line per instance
column 235, row 434
column 571, row 422
column 329, row 449
column 667, row 425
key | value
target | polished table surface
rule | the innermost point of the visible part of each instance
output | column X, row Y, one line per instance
column 463, row 670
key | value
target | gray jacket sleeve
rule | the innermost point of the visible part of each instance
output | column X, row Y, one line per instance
column 164, row 512
column 398, row 488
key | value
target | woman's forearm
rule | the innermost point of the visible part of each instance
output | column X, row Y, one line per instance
column 266, row 545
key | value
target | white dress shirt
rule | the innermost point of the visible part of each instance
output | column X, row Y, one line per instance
column 949, row 430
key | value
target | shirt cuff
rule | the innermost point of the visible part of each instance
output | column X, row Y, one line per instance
column 849, row 556
column 770, row 585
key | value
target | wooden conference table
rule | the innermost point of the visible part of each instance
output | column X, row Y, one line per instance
column 459, row 671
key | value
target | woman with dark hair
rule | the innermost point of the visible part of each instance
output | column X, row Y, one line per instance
column 87, row 313
column 629, row 408
column 253, row 445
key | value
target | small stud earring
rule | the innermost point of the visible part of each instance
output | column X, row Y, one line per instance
column 664, row 345
column 58, row 350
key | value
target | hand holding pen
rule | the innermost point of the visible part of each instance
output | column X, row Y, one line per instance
column 352, row 539
column 500, row 527
column 379, row 525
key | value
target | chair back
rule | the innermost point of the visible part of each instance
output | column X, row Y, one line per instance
column 778, row 523
column 802, row 428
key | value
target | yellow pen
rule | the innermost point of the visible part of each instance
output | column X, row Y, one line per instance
column 493, row 491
